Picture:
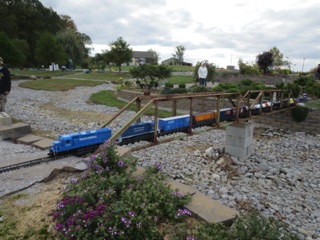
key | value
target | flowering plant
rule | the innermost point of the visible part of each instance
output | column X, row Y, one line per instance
column 108, row 202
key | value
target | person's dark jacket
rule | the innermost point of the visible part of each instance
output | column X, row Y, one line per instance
column 5, row 81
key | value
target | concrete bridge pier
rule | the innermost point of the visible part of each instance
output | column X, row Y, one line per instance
column 239, row 138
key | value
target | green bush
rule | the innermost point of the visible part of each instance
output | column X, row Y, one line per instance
column 179, row 90
column 167, row 90
column 198, row 88
column 108, row 202
column 251, row 226
column 169, row 85
column 299, row 113
column 182, row 85
column 254, row 226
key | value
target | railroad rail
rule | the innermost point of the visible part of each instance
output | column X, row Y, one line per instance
column 31, row 163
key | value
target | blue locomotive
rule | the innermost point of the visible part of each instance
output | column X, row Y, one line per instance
column 80, row 143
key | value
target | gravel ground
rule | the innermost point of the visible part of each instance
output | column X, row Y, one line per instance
column 280, row 179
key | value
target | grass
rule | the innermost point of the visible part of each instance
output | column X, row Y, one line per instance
column 39, row 73
column 180, row 79
column 107, row 98
column 58, row 84
column 313, row 104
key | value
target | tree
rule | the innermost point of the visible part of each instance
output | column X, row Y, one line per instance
column 119, row 53
column 179, row 54
column 68, row 23
column 9, row 51
column 156, row 56
column 23, row 47
column 147, row 76
column 278, row 59
column 265, row 61
column 49, row 50
column 247, row 69
column 72, row 45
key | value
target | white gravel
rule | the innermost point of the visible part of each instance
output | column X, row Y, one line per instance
column 280, row 179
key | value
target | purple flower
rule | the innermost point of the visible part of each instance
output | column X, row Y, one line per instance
column 182, row 212
column 177, row 194
column 120, row 163
column 131, row 214
column 58, row 227
column 158, row 166
column 73, row 180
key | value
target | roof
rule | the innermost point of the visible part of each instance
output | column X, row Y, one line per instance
column 142, row 54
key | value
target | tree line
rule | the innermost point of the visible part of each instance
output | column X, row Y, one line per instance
column 33, row 35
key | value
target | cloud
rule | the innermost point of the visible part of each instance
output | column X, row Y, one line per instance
column 237, row 28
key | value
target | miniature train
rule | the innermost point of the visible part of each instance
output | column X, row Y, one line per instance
column 85, row 142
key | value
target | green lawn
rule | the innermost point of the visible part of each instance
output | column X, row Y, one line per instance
column 39, row 73
column 107, row 98
column 313, row 104
column 57, row 84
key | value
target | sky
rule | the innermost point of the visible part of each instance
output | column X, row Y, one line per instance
column 221, row 32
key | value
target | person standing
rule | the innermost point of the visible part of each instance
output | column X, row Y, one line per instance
column 202, row 74
column 5, row 84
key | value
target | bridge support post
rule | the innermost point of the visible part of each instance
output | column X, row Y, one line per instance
column 239, row 138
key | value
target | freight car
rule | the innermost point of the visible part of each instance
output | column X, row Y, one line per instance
column 137, row 132
column 174, row 124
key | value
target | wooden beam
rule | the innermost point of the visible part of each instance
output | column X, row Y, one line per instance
column 119, row 112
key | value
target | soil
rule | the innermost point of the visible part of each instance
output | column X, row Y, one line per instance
column 31, row 209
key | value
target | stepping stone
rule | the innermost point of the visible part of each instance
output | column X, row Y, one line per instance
column 204, row 207
column 15, row 130
column 43, row 144
column 29, row 139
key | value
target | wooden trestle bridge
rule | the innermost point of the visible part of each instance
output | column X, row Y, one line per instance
column 236, row 99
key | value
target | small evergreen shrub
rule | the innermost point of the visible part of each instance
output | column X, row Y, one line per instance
column 182, row 85
column 198, row 88
column 167, row 90
column 299, row 113
column 179, row 90
column 169, row 85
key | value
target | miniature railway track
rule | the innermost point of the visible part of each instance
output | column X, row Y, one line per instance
column 34, row 162
column 30, row 163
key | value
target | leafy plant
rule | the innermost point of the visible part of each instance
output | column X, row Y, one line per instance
column 299, row 113
column 254, row 226
column 147, row 76
column 108, row 202
column 197, row 88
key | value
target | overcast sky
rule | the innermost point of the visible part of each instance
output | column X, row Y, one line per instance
column 221, row 32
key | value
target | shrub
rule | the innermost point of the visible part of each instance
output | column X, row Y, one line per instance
column 167, row 90
column 182, row 85
column 299, row 113
column 254, row 226
column 169, row 85
column 179, row 90
column 197, row 88
column 250, row 226
column 149, row 75
column 108, row 202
